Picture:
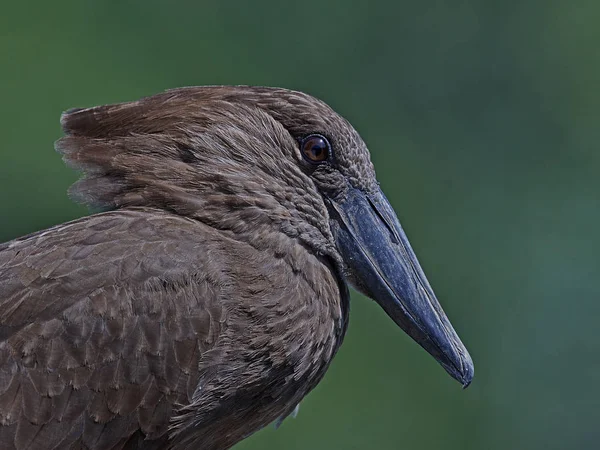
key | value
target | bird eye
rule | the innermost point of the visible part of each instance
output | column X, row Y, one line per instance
column 315, row 148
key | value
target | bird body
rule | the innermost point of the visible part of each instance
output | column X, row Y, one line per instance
column 129, row 331
column 211, row 295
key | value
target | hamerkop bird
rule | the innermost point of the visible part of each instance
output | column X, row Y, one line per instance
column 211, row 294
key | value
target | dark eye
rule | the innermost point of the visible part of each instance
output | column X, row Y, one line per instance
column 315, row 148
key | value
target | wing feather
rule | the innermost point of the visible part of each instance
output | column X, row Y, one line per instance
column 103, row 322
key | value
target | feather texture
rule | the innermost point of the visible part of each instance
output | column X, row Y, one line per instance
column 107, row 332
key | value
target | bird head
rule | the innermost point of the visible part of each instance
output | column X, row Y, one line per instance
column 259, row 163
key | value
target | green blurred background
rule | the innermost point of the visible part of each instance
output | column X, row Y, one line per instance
column 482, row 120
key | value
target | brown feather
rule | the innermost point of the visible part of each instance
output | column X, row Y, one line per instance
column 117, row 362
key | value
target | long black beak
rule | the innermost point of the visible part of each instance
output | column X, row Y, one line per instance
column 383, row 266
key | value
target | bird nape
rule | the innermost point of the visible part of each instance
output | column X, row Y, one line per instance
column 211, row 294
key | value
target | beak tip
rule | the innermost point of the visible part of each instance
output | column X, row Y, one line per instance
column 467, row 372
column 466, row 381
column 462, row 369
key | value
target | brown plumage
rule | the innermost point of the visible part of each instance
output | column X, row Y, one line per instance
column 210, row 296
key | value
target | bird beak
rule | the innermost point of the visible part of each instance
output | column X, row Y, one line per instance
column 383, row 266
